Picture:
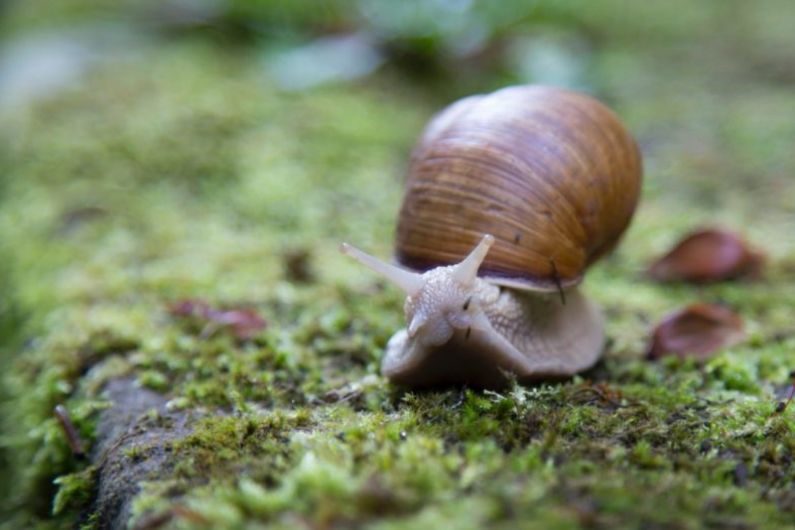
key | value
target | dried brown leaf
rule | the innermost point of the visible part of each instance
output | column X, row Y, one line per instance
column 696, row 331
column 708, row 255
column 243, row 323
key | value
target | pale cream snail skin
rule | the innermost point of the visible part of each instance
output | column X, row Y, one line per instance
column 510, row 197
column 464, row 330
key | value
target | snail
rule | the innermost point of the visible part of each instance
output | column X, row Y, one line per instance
column 509, row 198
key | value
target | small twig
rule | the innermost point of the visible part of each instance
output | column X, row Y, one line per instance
column 556, row 277
column 72, row 436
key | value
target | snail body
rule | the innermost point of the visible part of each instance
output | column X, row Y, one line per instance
column 541, row 182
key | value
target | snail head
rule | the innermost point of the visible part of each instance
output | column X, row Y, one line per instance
column 439, row 301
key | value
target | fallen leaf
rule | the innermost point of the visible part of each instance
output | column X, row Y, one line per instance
column 708, row 255
column 696, row 331
column 243, row 323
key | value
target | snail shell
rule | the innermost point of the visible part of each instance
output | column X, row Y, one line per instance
column 550, row 173
column 546, row 180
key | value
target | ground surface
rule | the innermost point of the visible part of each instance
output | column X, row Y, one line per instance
column 179, row 170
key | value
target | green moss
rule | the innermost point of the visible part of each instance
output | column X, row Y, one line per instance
column 76, row 491
column 182, row 173
column 228, row 439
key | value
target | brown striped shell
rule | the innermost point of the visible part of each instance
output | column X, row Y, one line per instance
column 551, row 173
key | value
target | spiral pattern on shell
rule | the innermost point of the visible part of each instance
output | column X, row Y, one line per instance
column 552, row 174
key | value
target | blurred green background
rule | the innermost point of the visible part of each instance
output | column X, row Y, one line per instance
column 153, row 151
